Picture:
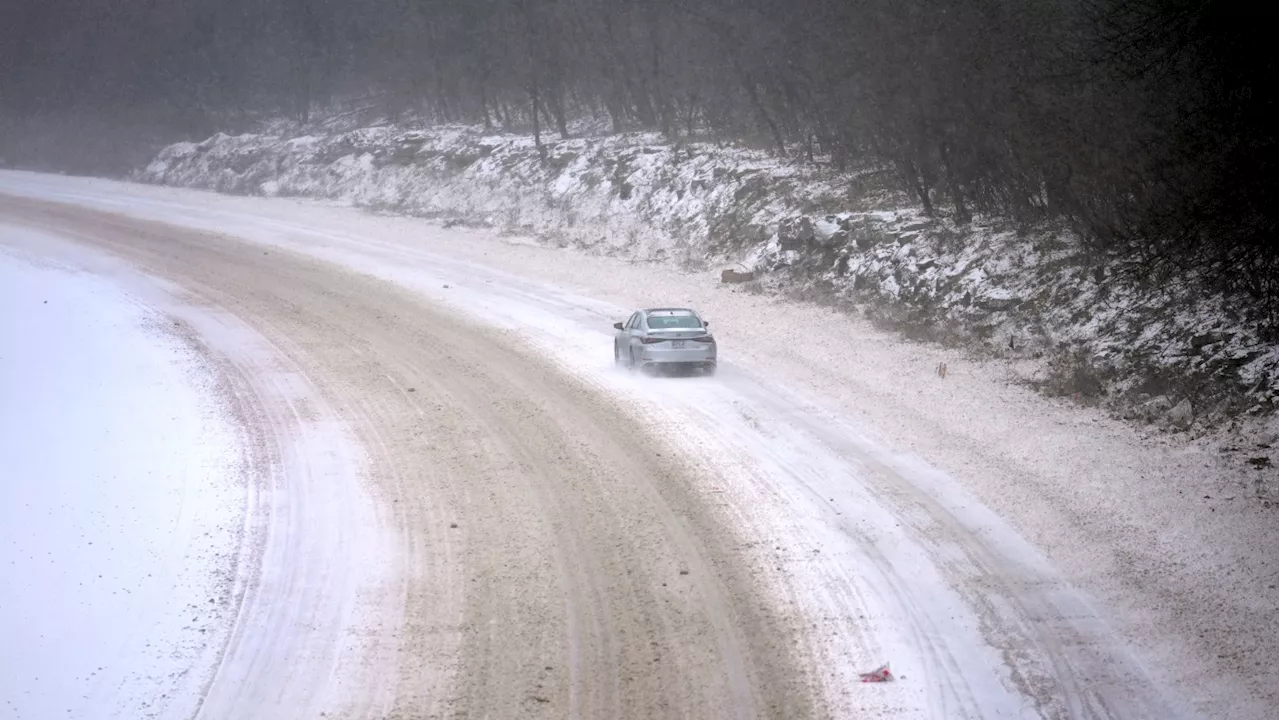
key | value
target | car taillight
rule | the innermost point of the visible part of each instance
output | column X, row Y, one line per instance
column 707, row 339
column 652, row 340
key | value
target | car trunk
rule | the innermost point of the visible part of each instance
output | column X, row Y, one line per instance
column 678, row 333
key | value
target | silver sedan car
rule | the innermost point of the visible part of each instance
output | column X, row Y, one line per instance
column 665, row 339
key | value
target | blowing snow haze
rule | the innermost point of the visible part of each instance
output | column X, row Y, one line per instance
column 328, row 387
column 1150, row 126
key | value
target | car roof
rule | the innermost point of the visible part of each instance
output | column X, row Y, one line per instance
column 669, row 311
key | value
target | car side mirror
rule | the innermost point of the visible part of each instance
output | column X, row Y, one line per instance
column 617, row 326
column 706, row 324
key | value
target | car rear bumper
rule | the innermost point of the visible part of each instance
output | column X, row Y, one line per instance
column 686, row 356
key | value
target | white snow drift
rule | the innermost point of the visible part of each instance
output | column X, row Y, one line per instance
column 185, row 530
column 123, row 503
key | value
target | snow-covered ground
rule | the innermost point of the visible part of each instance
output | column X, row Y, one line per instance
column 124, row 502
column 1011, row 556
column 185, row 531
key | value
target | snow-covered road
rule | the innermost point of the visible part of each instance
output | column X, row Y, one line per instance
column 536, row 533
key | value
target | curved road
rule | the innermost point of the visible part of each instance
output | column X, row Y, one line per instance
column 451, row 523
column 552, row 560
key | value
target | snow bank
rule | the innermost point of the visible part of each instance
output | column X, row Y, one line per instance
column 1090, row 333
column 122, row 513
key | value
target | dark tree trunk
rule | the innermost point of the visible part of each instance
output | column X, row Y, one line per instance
column 484, row 107
column 691, row 112
column 555, row 103
column 537, row 128
column 661, row 101
column 915, row 180
column 962, row 214
column 643, row 102
column 615, row 111
column 302, row 95
column 753, row 94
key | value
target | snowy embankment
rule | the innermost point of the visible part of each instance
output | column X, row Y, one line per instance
column 1075, row 327
column 124, row 503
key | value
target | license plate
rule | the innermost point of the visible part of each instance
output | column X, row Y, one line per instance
column 677, row 344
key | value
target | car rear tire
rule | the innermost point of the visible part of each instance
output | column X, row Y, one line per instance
column 709, row 370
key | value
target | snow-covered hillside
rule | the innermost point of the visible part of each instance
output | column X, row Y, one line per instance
column 1074, row 325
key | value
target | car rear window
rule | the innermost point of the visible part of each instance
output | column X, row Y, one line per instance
column 674, row 322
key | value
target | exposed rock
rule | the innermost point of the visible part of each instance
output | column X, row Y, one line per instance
column 733, row 276
column 208, row 144
column 752, row 188
column 838, row 238
column 999, row 304
column 867, row 235
column 1180, row 416
column 1155, row 408
column 1201, row 341
column 401, row 153
column 1243, row 359
column 795, row 233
